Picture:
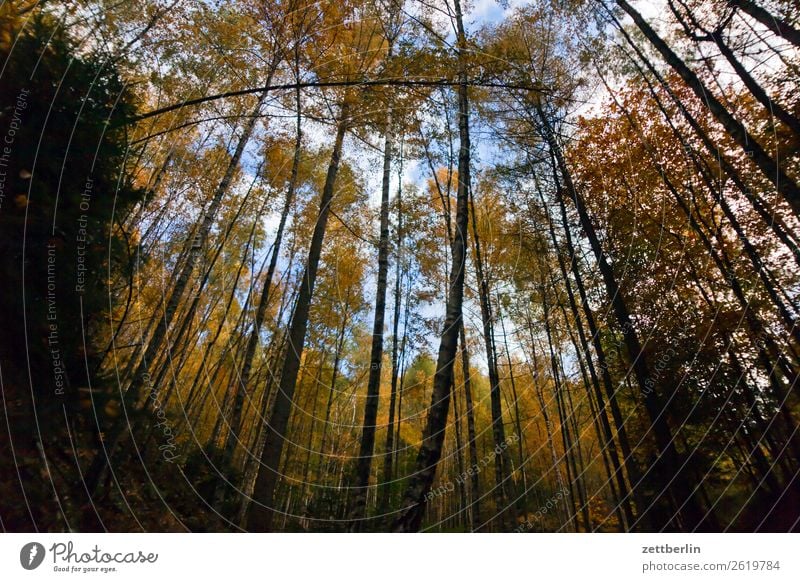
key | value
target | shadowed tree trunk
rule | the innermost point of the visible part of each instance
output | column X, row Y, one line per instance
column 383, row 500
column 770, row 21
column 433, row 437
column 261, row 511
column 367, row 448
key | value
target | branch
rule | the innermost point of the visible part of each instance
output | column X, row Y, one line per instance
column 321, row 84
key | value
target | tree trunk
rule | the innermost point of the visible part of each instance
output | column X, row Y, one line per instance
column 367, row 449
column 773, row 23
column 388, row 476
column 261, row 513
column 240, row 385
column 474, row 490
column 433, row 437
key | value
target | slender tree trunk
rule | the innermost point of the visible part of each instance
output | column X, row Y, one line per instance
column 517, row 421
column 388, row 475
column 433, row 437
column 261, row 514
column 400, row 391
column 331, row 395
column 189, row 315
column 367, row 449
column 252, row 463
column 772, row 107
column 475, row 494
column 462, row 493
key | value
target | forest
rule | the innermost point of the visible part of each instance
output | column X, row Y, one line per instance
column 400, row 265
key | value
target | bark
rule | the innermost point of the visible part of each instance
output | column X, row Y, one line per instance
column 252, row 463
